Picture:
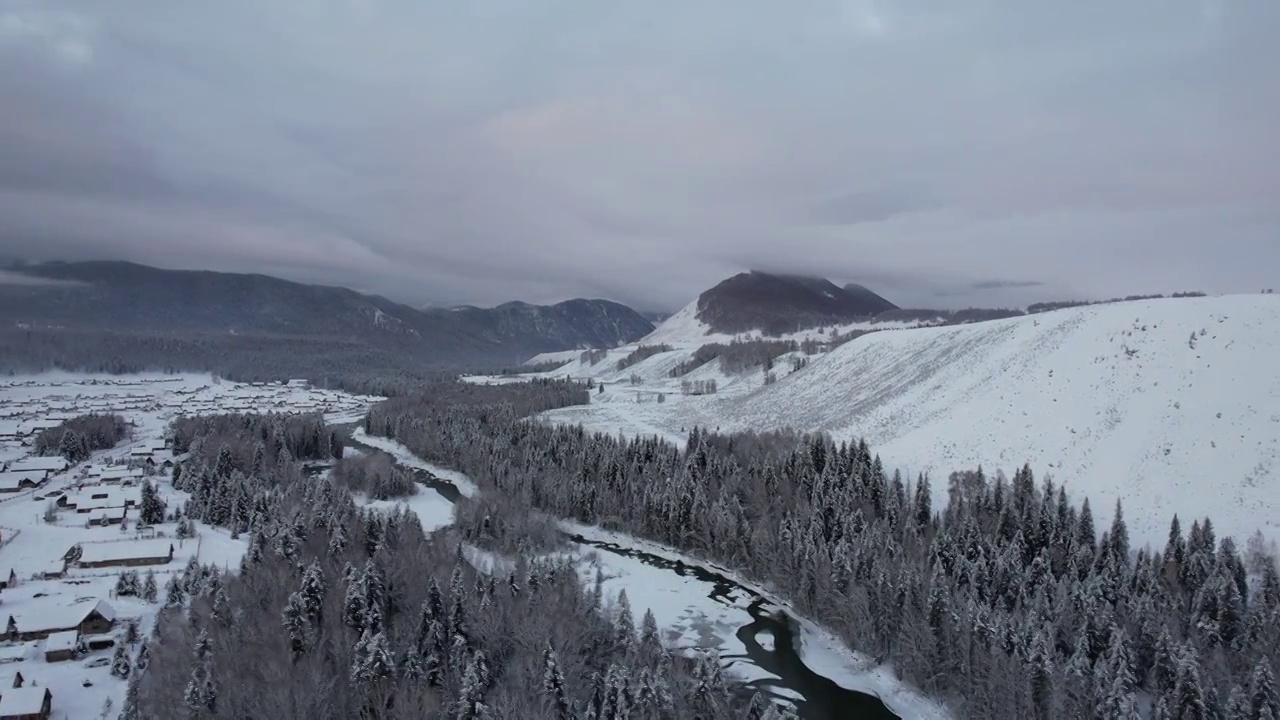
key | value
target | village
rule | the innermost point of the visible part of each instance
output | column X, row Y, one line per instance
column 72, row 536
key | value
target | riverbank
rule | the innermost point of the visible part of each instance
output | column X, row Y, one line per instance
column 701, row 607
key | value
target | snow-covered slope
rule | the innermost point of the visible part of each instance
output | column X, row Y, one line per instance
column 1116, row 400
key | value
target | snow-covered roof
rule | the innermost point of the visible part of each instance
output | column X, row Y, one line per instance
column 62, row 641
column 112, row 496
column 48, row 616
column 9, row 480
column 52, row 463
column 123, row 550
column 23, row 701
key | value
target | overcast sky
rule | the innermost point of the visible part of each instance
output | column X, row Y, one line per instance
column 941, row 152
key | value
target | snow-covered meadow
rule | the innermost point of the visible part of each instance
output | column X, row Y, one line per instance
column 41, row 588
column 1171, row 406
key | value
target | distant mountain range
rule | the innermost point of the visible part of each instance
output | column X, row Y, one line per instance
column 779, row 304
column 137, row 299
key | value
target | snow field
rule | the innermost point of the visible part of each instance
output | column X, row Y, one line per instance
column 1116, row 401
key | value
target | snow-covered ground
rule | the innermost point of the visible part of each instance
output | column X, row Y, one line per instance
column 1116, row 400
column 692, row 615
column 695, row 616
column 31, row 547
column 405, row 457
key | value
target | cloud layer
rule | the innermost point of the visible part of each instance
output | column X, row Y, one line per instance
column 941, row 153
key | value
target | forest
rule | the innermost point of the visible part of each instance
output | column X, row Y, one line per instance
column 339, row 612
column 76, row 438
column 1005, row 601
column 326, row 362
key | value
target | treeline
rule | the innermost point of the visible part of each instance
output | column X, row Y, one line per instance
column 326, row 362
column 1009, row 603
column 75, row 439
column 642, row 353
column 737, row 356
column 1062, row 304
column 342, row 613
column 254, row 436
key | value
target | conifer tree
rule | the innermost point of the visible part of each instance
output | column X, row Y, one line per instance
column 1262, row 690
column 121, row 666
column 553, row 686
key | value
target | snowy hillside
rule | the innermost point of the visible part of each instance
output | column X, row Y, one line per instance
column 1116, row 400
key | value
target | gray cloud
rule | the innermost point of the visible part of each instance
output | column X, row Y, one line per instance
column 1001, row 284
column 463, row 153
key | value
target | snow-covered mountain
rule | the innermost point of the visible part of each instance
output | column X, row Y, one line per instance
column 1170, row 405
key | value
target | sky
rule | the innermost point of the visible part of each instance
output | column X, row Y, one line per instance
column 988, row 152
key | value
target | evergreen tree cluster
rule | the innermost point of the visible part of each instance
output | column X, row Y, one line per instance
column 1008, row 603
column 238, row 463
column 640, row 354
column 75, row 439
column 375, row 476
column 339, row 612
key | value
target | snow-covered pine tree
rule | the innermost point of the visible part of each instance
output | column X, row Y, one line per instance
column 176, row 596
column 553, row 686
column 624, row 624
column 372, row 661
column 121, row 665
column 1262, row 690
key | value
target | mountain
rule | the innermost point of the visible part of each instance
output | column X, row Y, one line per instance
column 131, row 298
column 573, row 324
column 763, row 304
column 868, row 299
column 1169, row 405
column 779, row 304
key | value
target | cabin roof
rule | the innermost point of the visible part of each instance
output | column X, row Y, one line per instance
column 23, row 701
column 62, row 641
column 124, row 550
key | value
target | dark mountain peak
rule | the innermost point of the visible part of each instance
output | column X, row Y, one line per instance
column 776, row 303
column 864, row 294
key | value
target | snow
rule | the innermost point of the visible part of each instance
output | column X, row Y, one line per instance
column 23, row 701
column 1111, row 400
column 691, row 612
column 825, row 655
column 31, row 546
column 94, row 552
column 684, row 329
column 694, row 619
column 766, row 641
column 433, row 510
column 405, row 457
column 61, row 641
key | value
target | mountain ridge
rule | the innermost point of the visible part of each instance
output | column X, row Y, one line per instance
column 131, row 297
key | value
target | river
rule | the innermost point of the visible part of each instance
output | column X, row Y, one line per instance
column 823, row 699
